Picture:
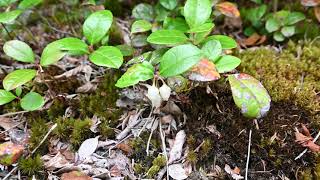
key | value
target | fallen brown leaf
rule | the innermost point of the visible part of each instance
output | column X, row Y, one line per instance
column 75, row 175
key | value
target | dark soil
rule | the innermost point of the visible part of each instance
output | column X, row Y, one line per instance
column 268, row 158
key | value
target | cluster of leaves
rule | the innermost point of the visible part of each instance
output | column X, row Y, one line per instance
column 281, row 24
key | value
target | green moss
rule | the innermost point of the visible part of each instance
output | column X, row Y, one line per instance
column 102, row 103
column 138, row 168
column 192, row 157
column 64, row 128
column 80, row 132
column 39, row 129
column 206, row 148
column 31, row 166
column 292, row 76
column 306, row 175
column 159, row 161
column 153, row 171
column 57, row 109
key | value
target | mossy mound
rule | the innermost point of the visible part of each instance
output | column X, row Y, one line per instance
column 291, row 76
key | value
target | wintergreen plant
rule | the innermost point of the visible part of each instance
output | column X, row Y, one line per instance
column 183, row 47
column 283, row 24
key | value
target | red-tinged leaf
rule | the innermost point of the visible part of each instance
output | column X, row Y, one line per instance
column 10, row 153
column 125, row 148
column 310, row 3
column 229, row 9
column 317, row 12
column 312, row 146
column 306, row 131
column 254, row 39
column 302, row 139
column 205, row 70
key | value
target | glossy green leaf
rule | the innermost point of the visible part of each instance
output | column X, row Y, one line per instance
column 141, row 26
column 73, row 46
column 7, row 2
column 18, row 91
column 107, row 56
column 294, row 17
column 51, row 54
column 225, row 41
column 25, row 4
column 97, row 25
column 249, row 95
column 167, row 37
column 212, row 50
column 161, row 12
column 157, row 55
column 202, row 28
column 175, row 24
column 169, row 4
column 288, row 31
column 8, row 17
column 143, row 11
column 32, row 101
column 19, row 51
column 179, row 59
column 6, row 97
column 197, row 12
column 18, row 78
column 125, row 49
column 138, row 72
column 272, row 24
column 227, row 63
column 278, row 36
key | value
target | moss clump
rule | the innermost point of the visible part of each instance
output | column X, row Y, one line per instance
column 57, row 109
column 153, row 171
column 102, row 103
column 39, row 129
column 157, row 164
column 31, row 166
column 206, row 148
column 290, row 76
column 192, row 157
column 73, row 130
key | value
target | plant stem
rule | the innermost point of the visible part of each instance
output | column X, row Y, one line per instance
column 7, row 31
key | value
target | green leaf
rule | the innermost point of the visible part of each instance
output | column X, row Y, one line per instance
column 139, row 40
column 141, row 58
column 294, row 17
column 169, row 4
column 141, row 26
column 212, row 49
column 51, row 54
column 288, row 31
column 136, row 73
column 278, row 36
column 227, row 63
column 272, row 24
column 56, row 50
column 197, row 12
column 73, row 46
column 18, row 91
column 97, row 25
column 202, row 28
column 8, row 17
column 7, row 2
column 125, row 49
column 161, row 12
column 32, row 101
column 156, row 56
column 107, row 56
column 179, row 59
column 6, row 97
column 225, row 41
column 18, row 78
column 19, row 51
column 167, row 37
column 26, row 4
column 175, row 24
column 143, row 11
column 249, row 95
column 257, row 1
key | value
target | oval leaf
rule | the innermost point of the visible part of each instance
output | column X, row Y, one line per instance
column 19, row 51
column 136, row 73
column 6, row 97
column 51, row 54
column 288, row 31
column 143, row 11
column 18, row 78
column 225, row 41
column 249, row 95
column 97, row 25
column 167, row 37
column 179, row 59
column 212, row 49
column 202, row 28
column 205, row 70
column 141, row 26
column 169, row 4
column 197, row 12
column 175, row 24
column 227, row 63
column 294, row 17
column 8, row 17
column 32, row 101
column 272, row 24
column 25, row 4
column 229, row 9
column 73, row 46
column 107, row 56
column 88, row 147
